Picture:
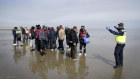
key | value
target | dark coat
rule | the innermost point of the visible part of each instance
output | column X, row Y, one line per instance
column 14, row 32
column 31, row 34
column 67, row 32
column 52, row 34
column 73, row 37
column 120, row 32
column 23, row 31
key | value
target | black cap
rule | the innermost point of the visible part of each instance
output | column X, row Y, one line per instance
column 82, row 26
column 121, row 24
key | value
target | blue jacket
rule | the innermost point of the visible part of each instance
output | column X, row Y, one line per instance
column 52, row 34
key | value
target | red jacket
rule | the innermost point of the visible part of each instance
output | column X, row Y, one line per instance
column 82, row 34
column 37, row 32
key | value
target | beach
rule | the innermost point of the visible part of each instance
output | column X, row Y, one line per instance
column 21, row 63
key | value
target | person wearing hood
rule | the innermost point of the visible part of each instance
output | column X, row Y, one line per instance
column 52, row 36
column 120, row 38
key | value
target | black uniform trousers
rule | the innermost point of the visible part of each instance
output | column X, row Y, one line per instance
column 118, row 53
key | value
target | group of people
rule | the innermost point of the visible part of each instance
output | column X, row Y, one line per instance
column 46, row 37
column 19, row 33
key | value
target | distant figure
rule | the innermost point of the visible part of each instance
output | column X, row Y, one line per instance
column 26, row 34
column 61, row 36
column 83, row 33
column 48, row 41
column 14, row 35
column 67, row 32
column 73, row 42
column 23, row 34
column 38, row 27
column 52, row 37
column 18, row 36
column 31, row 35
column 46, row 35
column 57, row 32
column 120, row 39
column 42, row 41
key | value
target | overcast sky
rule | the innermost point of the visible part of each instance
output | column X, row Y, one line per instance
column 91, row 13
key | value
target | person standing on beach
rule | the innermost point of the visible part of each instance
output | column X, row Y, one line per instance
column 67, row 32
column 14, row 35
column 61, row 35
column 26, row 34
column 83, row 33
column 37, row 37
column 120, row 39
column 48, row 41
column 52, row 37
column 73, row 40
column 42, row 40
column 31, row 35
column 23, row 33
column 18, row 36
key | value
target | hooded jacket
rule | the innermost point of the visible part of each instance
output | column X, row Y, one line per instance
column 52, row 34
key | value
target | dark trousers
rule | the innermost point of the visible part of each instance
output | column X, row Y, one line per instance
column 48, row 44
column 53, row 41
column 61, row 44
column 42, row 44
column 38, row 44
column 14, row 41
column 82, row 44
column 118, row 53
column 73, row 51
column 36, row 41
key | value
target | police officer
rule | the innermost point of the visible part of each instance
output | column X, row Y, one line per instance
column 120, row 39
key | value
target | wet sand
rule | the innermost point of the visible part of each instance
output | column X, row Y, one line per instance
column 21, row 63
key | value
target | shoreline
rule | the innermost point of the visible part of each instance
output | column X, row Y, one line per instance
column 6, row 28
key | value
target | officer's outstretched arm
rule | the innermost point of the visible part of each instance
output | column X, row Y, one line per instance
column 116, row 33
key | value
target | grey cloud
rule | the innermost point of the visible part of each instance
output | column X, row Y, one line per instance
column 68, row 12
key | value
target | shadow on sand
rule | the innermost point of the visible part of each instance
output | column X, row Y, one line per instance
column 105, row 60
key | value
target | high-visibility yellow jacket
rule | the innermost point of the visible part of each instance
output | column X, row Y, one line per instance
column 121, row 38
